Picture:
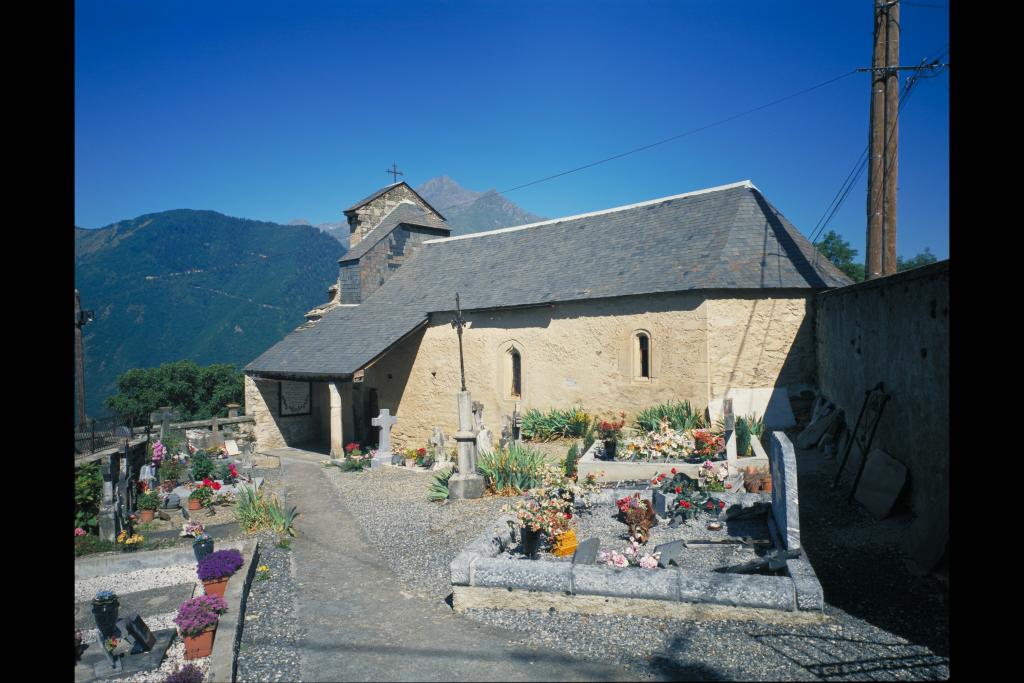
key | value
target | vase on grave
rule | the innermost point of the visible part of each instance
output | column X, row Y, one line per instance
column 105, row 613
column 216, row 586
column 202, row 547
column 530, row 540
column 564, row 543
column 147, row 516
column 194, row 504
column 410, row 462
column 200, row 645
column 609, row 450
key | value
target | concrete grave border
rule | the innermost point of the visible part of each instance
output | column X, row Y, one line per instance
column 480, row 578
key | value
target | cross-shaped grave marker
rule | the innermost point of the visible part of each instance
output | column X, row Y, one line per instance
column 164, row 416
column 385, row 421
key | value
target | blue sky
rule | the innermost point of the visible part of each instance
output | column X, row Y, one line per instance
column 275, row 111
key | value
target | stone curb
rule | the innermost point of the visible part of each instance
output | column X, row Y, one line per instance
column 224, row 657
column 88, row 568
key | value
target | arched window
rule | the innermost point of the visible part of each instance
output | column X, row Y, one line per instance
column 642, row 356
column 516, row 389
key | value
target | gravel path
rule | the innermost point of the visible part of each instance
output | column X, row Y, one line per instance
column 417, row 538
column 420, row 539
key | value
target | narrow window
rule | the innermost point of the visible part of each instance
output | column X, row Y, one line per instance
column 644, row 355
column 517, row 370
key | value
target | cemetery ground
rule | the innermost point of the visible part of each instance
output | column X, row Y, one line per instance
column 364, row 593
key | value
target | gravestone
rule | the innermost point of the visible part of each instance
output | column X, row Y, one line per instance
column 466, row 483
column 140, row 632
column 164, row 415
column 881, row 483
column 439, row 449
column 232, row 447
column 730, row 436
column 785, row 500
column 478, row 416
column 484, row 441
column 384, row 421
column 216, row 439
column 506, row 432
column 669, row 553
column 587, row 551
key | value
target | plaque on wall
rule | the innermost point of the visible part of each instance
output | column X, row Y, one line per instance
column 294, row 398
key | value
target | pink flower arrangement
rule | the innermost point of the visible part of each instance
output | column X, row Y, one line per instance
column 79, row 531
column 632, row 556
column 158, row 452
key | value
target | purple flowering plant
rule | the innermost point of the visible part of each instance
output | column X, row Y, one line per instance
column 189, row 673
column 220, row 564
column 196, row 615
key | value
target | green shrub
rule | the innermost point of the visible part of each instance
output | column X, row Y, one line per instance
column 171, row 469
column 571, row 458
column 680, row 415
column 203, row 494
column 512, row 470
column 555, row 424
column 91, row 543
column 202, row 466
column 150, row 500
column 283, row 521
column 438, row 490
column 251, row 510
column 88, row 495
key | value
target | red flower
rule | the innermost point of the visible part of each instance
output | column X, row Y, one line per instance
column 352, row 447
column 679, row 489
column 710, row 505
column 673, row 470
column 421, row 451
column 216, row 486
column 721, row 504
column 685, row 504
column 568, row 515
column 207, row 481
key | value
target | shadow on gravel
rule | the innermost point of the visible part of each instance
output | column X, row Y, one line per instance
column 837, row 658
column 669, row 670
column 859, row 562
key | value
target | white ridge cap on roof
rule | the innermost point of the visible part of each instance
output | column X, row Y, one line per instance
column 742, row 183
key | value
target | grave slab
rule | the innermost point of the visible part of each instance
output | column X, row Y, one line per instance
column 881, row 483
column 586, row 551
column 94, row 664
column 817, row 429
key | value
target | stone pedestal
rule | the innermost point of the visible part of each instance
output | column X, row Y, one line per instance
column 337, row 438
column 467, row 483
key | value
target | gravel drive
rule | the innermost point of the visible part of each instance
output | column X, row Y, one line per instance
column 136, row 581
column 418, row 540
column 268, row 650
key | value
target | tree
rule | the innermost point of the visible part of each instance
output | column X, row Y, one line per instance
column 922, row 259
column 839, row 252
column 197, row 392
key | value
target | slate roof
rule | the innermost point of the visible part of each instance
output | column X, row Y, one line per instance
column 383, row 190
column 723, row 238
column 404, row 213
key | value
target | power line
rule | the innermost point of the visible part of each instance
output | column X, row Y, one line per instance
column 921, row 4
column 669, row 139
column 848, row 184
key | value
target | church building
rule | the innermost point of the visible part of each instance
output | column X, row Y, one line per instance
column 687, row 297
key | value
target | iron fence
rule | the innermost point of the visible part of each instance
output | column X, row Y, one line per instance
column 102, row 432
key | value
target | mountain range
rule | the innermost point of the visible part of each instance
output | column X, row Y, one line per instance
column 198, row 285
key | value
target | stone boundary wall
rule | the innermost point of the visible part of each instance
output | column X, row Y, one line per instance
column 895, row 330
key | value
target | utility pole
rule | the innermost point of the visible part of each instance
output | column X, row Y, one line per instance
column 81, row 318
column 882, row 141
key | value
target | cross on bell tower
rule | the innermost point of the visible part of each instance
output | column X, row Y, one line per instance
column 394, row 172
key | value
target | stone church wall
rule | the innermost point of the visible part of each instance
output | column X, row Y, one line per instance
column 756, row 341
column 581, row 353
column 273, row 431
column 367, row 217
column 388, row 255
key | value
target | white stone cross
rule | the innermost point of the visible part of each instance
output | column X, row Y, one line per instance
column 385, row 421
column 164, row 415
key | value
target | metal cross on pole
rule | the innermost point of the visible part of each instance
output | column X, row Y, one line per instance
column 458, row 323
column 394, row 172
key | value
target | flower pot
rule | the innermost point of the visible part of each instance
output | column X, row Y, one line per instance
column 194, row 504
column 202, row 548
column 564, row 543
column 215, row 587
column 199, row 645
column 105, row 614
column 609, row 450
column 147, row 516
column 530, row 540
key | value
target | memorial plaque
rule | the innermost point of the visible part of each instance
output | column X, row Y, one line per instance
column 586, row 551
column 669, row 553
column 294, row 398
column 137, row 629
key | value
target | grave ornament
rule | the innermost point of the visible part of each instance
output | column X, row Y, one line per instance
column 164, row 415
column 384, row 421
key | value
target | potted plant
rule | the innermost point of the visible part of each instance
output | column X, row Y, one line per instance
column 171, row 470
column 202, row 544
column 130, row 542
column 216, row 568
column 609, row 431
column 197, row 621
column 148, row 502
column 638, row 514
column 539, row 514
column 189, row 673
column 200, row 497
column 104, row 610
